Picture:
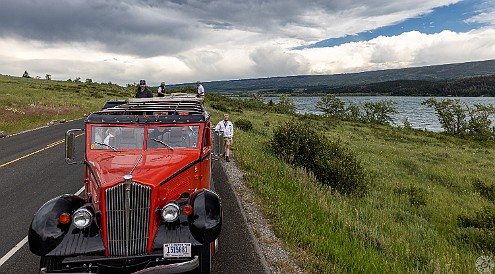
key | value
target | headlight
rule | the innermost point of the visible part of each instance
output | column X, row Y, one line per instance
column 82, row 218
column 170, row 212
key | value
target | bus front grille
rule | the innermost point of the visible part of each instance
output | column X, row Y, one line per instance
column 128, row 211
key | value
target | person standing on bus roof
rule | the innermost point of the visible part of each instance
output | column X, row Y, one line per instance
column 161, row 90
column 200, row 90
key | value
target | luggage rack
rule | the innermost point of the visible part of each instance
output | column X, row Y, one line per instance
column 174, row 104
column 173, row 108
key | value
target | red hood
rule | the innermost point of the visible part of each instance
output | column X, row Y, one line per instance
column 111, row 167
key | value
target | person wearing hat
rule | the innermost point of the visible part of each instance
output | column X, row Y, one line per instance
column 200, row 89
column 161, row 90
column 143, row 91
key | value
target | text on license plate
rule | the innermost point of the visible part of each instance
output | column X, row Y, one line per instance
column 172, row 250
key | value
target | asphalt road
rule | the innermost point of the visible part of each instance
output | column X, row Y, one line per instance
column 33, row 170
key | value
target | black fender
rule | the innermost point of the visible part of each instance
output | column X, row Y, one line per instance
column 205, row 223
column 45, row 232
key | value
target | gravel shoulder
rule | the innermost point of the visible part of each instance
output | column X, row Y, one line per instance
column 274, row 253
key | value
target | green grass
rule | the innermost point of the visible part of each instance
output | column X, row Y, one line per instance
column 27, row 103
column 406, row 223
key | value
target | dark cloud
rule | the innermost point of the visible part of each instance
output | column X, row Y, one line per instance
column 153, row 27
column 117, row 26
column 199, row 39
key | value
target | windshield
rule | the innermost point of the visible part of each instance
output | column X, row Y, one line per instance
column 173, row 137
column 117, row 137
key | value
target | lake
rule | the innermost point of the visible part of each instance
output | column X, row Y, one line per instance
column 419, row 116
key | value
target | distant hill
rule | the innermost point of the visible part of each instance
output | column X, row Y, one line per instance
column 466, row 87
column 326, row 83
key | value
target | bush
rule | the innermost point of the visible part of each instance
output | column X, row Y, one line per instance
column 220, row 106
column 294, row 142
column 484, row 224
column 457, row 118
column 285, row 105
column 331, row 105
column 406, row 124
column 450, row 114
column 338, row 167
column 488, row 192
column 379, row 112
column 479, row 122
column 331, row 163
column 352, row 112
column 244, row 124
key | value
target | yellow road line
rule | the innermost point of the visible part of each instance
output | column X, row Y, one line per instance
column 38, row 151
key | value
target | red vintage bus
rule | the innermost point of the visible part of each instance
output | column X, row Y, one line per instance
column 149, row 203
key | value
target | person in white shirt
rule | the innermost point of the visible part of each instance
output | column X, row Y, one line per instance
column 161, row 90
column 200, row 90
column 110, row 139
column 228, row 133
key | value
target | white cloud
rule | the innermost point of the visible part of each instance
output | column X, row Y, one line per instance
column 405, row 50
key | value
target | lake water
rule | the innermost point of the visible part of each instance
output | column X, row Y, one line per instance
column 419, row 116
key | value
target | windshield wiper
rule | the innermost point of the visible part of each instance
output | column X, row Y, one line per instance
column 163, row 143
column 103, row 144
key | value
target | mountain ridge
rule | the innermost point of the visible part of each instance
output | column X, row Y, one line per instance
column 301, row 83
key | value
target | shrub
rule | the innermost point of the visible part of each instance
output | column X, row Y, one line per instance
column 295, row 143
column 379, row 112
column 244, row 124
column 338, row 167
column 484, row 224
column 352, row 112
column 479, row 122
column 220, row 106
column 450, row 114
column 331, row 163
column 488, row 192
column 331, row 105
column 458, row 118
column 406, row 124
column 285, row 105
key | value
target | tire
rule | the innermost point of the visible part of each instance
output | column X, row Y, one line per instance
column 51, row 263
column 204, row 253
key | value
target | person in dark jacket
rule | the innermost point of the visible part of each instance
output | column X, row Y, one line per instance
column 143, row 91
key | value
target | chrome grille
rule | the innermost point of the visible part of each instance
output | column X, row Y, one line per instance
column 128, row 210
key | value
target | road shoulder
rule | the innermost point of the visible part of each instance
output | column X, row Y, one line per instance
column 275, row 255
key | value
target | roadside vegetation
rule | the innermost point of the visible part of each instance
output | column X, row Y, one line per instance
column 423, row 202
column 428, row 205
column 28, row 103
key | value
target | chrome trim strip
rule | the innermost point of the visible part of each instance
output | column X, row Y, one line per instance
column 168, row 268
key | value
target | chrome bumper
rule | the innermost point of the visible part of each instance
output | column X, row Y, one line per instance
column 168, row 268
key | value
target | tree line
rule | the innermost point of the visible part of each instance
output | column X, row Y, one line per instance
column 466, row 87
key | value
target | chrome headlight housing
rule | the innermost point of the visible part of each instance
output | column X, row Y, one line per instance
column 170, row 212
column 82, row 218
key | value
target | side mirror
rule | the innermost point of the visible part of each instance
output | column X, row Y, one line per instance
column 70, row 146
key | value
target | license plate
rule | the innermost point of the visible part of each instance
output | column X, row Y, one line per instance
column 174, row 250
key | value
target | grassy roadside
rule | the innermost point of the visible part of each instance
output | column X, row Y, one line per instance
column 408, row 221
column 28, row 103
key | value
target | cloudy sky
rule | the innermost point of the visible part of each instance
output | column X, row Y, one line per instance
column 180, row 41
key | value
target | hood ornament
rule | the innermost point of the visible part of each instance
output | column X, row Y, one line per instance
column 128, row 177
